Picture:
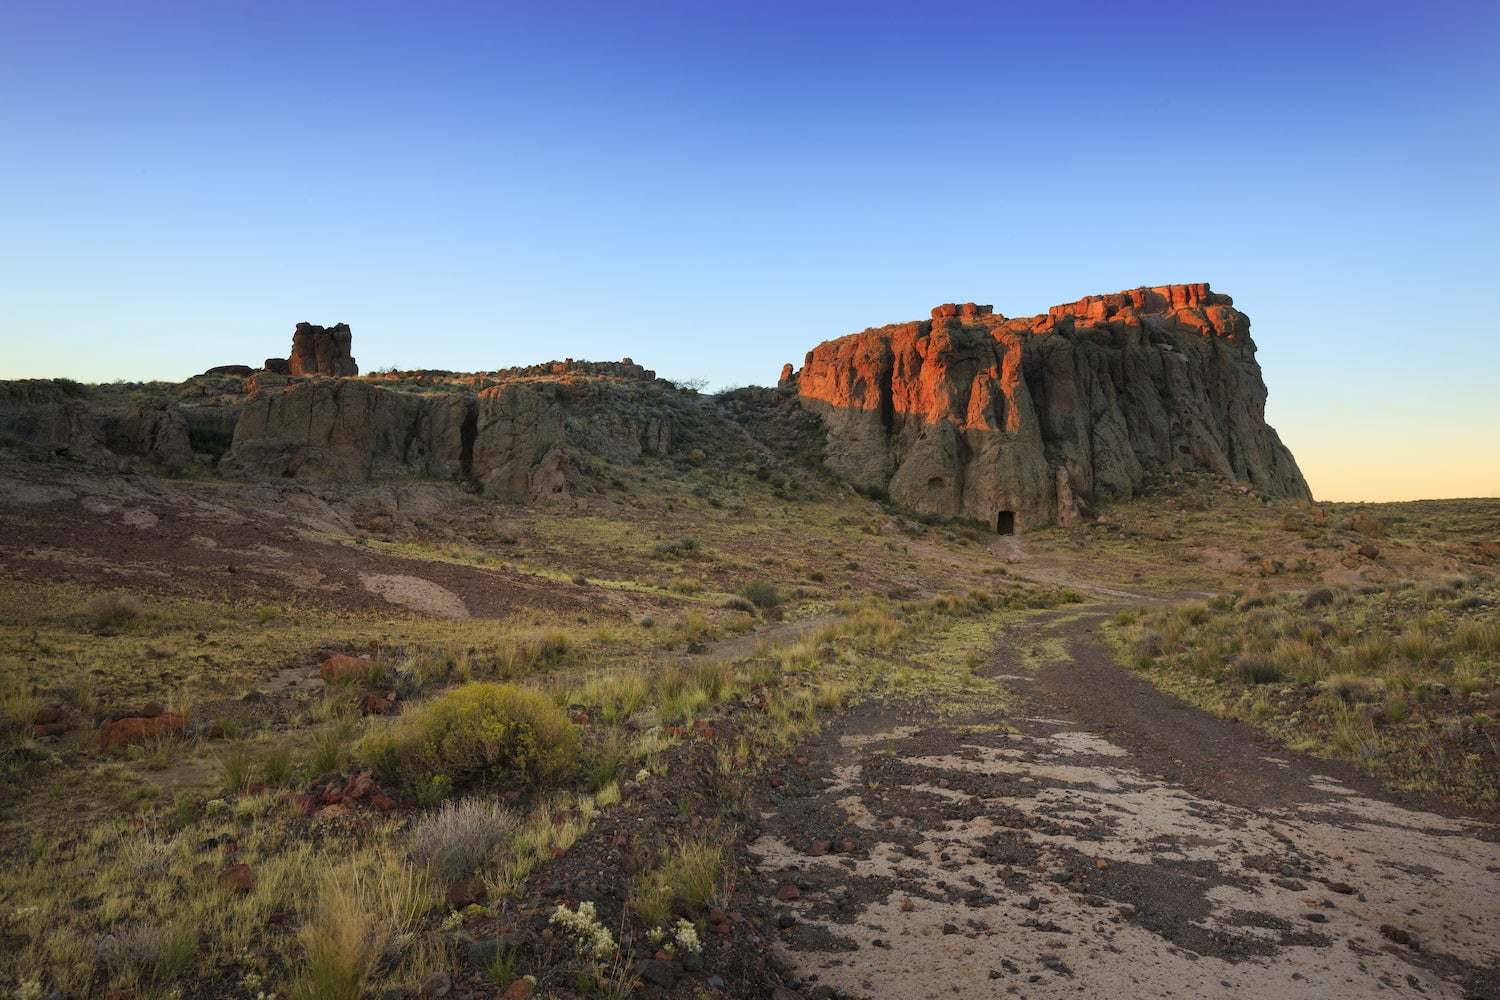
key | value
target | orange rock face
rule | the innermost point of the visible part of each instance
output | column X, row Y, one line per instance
column 1017, row 421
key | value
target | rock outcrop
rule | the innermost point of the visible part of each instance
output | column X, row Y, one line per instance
column 1014, row 421
column 516, row 436
column 320, row 350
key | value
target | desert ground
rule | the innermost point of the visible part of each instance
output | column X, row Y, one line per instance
column 779, row 739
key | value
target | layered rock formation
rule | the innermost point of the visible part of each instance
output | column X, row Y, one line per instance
column 1013, row 421
column 320, row 350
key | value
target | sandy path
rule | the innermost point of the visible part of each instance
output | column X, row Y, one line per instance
column 1115, row 844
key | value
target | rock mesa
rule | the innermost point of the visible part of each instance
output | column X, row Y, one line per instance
column 1017, row 421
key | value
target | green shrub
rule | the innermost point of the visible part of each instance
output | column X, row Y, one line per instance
column 478, row 734
column 674, row 548
column 761, row 593
column 738, row 603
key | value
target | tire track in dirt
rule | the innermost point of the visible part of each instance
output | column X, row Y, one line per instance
column 1112, row 842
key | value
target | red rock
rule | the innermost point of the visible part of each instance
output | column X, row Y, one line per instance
column 238, row 878
column 320, row 350
column 134, row 731
column 721, row 928
column 359, row 786
column 818, row 849
column 922, row 409
column 47, row 715
column 334, row 811
column 49, row 729
column 520, row 989
column 460, row 894
column 203, row 868
column 302, row 800
column 788, row 892
column 384, row 803
column 342, row 667
column 376, row 705
column 846, row 845
column 777, row 781
column 717, row 916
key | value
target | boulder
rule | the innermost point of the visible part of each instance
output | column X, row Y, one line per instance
column 133, row 731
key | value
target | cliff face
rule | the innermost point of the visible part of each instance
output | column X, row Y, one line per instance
column 973, row 413
column 512, row 433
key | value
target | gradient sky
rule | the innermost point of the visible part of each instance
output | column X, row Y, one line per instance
column 712, row 188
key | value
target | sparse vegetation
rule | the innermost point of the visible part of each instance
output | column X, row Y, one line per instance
column 1391, row 677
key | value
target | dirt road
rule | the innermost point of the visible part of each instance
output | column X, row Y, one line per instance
column 1112, row 843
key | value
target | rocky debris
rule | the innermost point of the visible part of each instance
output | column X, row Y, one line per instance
column 237, row 370
column 976, row 414
column 135, row 730
column 237, row 878
column 318, row 350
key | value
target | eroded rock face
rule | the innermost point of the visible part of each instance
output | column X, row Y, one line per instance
column 973, row 413
column 318, row 350
column 513, row 437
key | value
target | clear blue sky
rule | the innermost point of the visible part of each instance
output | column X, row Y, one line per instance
column 712, row 188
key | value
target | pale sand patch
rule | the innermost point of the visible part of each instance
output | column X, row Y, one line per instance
column 139, row 517
column 1417, row 871
column 415, row 593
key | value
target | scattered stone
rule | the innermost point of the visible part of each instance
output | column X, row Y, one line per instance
column 459, row 895
column 437, row 984
column 360, row 785
column 47, row 715
column 47, row 729
column 237, row 878
column 342, row 667
column 384, row 803
column 788, row 892
column 520, row 989
column 657, row 973
column 907, row 905
column 715, row 982
column 1399, row 936
column 136, row 731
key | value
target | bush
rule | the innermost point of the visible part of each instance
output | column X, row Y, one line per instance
column 674, row 548
column 1254, row 669
column 738, row 603
column 112, row 609
column 458, row 839
column 1322, row 597
column 478, row 734
column 761, row 593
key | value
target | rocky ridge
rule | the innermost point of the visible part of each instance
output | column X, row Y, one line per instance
column 1022, row 421
column 1016, row 422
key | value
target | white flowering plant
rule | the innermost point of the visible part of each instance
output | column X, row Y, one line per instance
column 593, row 937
